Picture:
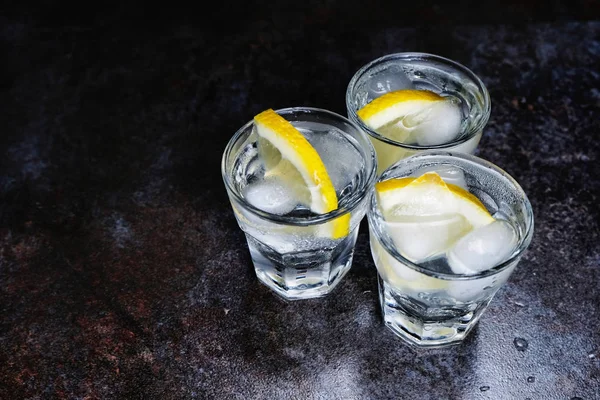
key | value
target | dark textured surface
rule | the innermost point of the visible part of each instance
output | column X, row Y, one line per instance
column 123, row 274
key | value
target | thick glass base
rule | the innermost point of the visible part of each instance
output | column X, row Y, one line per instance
column 423, row 325
column 304, row 274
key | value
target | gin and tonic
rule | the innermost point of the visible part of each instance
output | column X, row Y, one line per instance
column 409, row 102
column 298, row 180
column 446, row 231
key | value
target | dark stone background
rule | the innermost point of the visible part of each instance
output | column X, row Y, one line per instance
column 123, row 274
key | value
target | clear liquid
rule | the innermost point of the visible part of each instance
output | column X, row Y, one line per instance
column 300, row 261
column 391, row 76
column 431, row 309
column 433, row 305
column 395, row 75
column 302, row 274
column 418, row 282
column 338, row 152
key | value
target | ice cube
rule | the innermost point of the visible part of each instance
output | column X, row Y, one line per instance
column 419, row 238
column 448, row 173
column 437, row 124
column 271, row 195
column 339, row 156
column 388, row 81
column 399, row 275
column 482, row 248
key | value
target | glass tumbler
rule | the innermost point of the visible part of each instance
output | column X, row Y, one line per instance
column 437, row 301
column 296, row 253
column 420, row 71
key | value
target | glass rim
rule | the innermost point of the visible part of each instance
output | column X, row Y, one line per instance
column 354, row 199
column 486, row 110
column 524, row 240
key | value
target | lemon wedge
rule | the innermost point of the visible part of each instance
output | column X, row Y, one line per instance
column 288, row 155
column 393, row 105
column 414, row 117
column 425, row 216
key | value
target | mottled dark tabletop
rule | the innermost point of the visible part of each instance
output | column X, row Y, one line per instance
column 123, row 273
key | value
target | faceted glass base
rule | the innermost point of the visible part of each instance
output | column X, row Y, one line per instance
column 302, row 274
column 425, row 327
column 314, row 288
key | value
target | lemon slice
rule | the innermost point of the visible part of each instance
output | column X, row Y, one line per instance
column 288, row 155
column 394, row 105
column 414, row 116
column 425, row 216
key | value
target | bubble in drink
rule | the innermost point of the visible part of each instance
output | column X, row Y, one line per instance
column 271, row 195
column 388, row 82
column 482, row 248
column 448, row 173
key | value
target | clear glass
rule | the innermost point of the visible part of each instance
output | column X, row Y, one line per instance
column 291, row 253
column 433, row 308
column 423, row 72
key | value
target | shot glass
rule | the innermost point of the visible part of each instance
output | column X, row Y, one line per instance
column 293, row 250
column 436, row 301
column 421, row 71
